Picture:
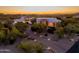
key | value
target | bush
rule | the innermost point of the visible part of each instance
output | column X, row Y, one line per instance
column 8, row 24
column 21, row 26
column 14, row 34
column 38, row 47
column 30, row 46
column 60, row 32
column 2, row 36
column 72, row 28
column 9, row 36
column 40, row 27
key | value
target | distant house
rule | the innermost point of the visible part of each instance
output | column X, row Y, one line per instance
column 51, row 22
column 76, row 16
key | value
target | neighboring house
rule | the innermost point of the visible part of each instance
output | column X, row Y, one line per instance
column 22, row 19
column 52, row 22
column 28, row 20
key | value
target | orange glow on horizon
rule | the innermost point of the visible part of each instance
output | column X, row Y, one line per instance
column 64, row 11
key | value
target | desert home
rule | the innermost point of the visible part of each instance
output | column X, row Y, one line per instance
column 51, row 22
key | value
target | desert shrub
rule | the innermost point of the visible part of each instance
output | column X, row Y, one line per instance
column 59, row 32
column 21, row 26
column 14, row 34
column 39, row 27
column 2, row 36
column 30, row 46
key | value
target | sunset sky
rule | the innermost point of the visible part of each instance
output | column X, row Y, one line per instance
column 39, row 9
